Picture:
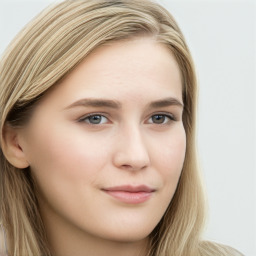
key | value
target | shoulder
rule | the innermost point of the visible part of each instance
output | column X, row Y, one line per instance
column 208, row 248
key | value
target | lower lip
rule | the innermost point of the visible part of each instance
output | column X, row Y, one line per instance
column 130, row 197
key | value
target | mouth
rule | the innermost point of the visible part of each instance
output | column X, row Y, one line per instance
column 130, row 194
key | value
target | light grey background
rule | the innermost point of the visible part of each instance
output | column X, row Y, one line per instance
column 221, row 36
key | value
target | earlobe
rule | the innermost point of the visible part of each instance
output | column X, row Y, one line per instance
column 12, row 149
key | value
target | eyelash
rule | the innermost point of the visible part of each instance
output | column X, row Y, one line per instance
column 165, row 115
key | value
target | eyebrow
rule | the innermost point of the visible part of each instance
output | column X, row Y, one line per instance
column 96, row 103
column 165, row 103
column 117, row 105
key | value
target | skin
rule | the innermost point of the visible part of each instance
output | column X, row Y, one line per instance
column 73, row 160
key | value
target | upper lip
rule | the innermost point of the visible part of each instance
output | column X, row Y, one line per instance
column 130, row 188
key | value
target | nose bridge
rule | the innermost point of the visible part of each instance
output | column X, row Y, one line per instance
column 132, row 151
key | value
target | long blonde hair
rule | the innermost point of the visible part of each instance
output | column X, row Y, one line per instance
column 47, row 49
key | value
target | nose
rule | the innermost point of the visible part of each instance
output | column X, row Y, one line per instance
column 131, row 152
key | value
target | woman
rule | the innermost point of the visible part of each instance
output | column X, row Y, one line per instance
column 98, row 156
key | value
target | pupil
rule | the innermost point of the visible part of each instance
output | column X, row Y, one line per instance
column 95, row 119
column 158, row 119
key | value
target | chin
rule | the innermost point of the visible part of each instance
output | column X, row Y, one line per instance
column 128, row 235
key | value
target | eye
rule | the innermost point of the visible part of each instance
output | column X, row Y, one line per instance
column 94, row 119
column 161, row 119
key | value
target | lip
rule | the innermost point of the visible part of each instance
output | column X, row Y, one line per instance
column 130, row 194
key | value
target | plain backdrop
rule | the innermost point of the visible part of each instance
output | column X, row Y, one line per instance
column 221, row 35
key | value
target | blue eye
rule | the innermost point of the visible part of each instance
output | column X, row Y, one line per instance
column 94, row 119
column 161, row 119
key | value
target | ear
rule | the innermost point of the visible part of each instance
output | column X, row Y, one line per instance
column 12, row 149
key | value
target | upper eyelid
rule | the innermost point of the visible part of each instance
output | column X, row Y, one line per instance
column 165, row 113
column 96, row 114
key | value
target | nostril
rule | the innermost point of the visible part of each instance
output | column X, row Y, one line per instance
column 129, row 167
column 133, row 167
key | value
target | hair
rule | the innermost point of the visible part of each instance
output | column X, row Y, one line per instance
column 46, row 50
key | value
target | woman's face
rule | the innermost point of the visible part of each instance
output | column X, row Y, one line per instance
column 106, row 145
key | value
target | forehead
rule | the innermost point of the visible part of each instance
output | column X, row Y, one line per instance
column 130, row 68
column 143, row 53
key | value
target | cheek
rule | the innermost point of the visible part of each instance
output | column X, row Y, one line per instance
column 61, row 146
column 172, row 152
column 64, row 169
column 63, row 160
column 170, row 160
